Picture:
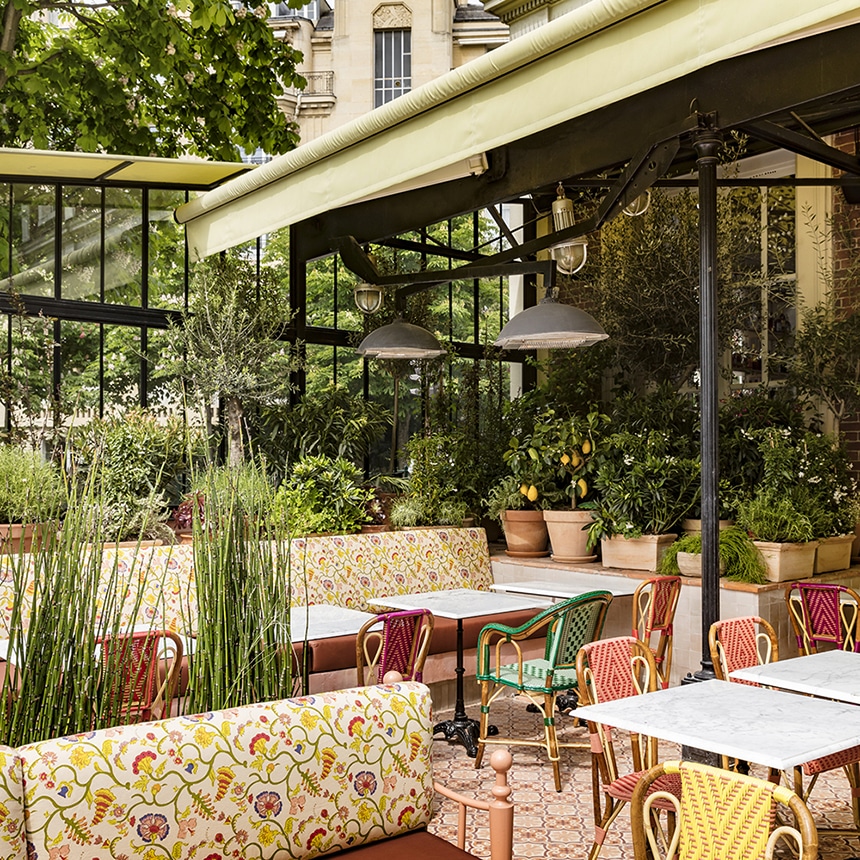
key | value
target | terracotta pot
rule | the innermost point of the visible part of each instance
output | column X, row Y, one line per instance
column 566, row 535
column 642, row 553
column 833, row 553
column 15, row 538
column 787, row 561
column 373, row 528
column 525, row 534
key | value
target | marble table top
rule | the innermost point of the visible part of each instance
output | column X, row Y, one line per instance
column 829, row 674
column 768, row 727
column 463, row 602
column 324, row 621
column 569, row 587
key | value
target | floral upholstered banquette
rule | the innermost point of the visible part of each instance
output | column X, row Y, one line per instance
column 295, row 778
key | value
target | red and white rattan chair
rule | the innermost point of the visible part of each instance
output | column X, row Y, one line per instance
column 606, row 670
column 719, row 815
column 654, row 605
column 737, row 643
column 401, row 645
column 823, row 614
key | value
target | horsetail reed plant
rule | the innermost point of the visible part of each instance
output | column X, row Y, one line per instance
column 65, row 596
column 242, row 575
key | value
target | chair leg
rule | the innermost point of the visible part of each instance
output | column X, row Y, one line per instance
column 484, row 722
column 551, row 737
column 610, row 813
column 852, row 771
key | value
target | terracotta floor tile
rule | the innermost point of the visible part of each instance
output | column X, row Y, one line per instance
column 560, row 824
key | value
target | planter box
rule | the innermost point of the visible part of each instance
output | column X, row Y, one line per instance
column 694, row 527
column 833, row 553
column 690, row 564
column 787, row 561
column 642, row 553
column 566, row 535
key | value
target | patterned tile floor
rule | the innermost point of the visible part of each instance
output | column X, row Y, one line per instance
column 560, row 824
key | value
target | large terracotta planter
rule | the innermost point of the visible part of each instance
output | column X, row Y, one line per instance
column 566, row 535
column 833, row 553
column 525, row 534
column 15, row 538
column 642, row 553
column 787, row 561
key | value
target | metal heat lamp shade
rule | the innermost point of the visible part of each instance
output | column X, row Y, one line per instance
column 550, row 325
column 400, row 340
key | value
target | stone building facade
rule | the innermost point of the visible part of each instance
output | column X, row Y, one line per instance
column 361, row 53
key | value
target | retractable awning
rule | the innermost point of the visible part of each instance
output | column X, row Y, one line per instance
column 37, row 165
column 595, row 56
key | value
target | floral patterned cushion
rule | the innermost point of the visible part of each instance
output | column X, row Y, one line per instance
column 295, row 778
column 12, row 843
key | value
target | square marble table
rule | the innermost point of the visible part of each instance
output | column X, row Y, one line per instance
column 460, row 603
column 770, row 727
column 564, row 589
column 831, row 674
column 325, row 621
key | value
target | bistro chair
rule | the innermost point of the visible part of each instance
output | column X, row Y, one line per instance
column 654, row 605
column 718, row 815
column 738, row 643
column 401, row 645
column 823, row 614
column 568, row 625
column 606, row 670
column 133, row 688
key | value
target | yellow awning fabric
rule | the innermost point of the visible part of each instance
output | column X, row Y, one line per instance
column 594, row 56
column 28, row 165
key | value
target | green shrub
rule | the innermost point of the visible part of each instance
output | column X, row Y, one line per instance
column 30, row 489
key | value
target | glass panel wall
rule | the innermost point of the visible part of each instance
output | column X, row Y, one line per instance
column 123, row 257
column 33, row 232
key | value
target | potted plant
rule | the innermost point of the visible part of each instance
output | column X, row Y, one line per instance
column 431, row 496
column 322, row 495
column 565, row 449
column 740, row 560
column 782, row 533
column 32, row 493
column 806, row 495
column 645, row 490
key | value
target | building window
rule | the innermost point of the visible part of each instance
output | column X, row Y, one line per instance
column 392, row 65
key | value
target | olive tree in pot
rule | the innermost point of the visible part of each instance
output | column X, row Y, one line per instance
column 227, row 345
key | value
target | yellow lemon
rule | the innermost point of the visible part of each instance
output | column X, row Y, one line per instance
column 524, row 489
column 532, row 493
column 586, row 447
column 565, row 459
column 583, row 487
column 576, row 460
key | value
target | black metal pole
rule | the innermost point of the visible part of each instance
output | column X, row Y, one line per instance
column 707, row 145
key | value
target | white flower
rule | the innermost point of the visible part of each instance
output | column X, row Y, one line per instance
column 262, row 11
column 189, row 76
column 241, row 12
column 171, row 49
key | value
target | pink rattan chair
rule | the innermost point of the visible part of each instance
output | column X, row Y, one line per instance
column 737, row 643
column 606, row 670
column 401, row 645
column 654, row 605
column 131, row 684
column 823, row 614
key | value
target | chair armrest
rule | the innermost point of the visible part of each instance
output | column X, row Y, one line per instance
column 500, row 809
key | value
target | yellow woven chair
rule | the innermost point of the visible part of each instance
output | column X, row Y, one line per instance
column 569, row 625
column 720, row 815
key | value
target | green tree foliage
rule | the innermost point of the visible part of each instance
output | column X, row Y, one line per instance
column 229, row 344
column 144, row 77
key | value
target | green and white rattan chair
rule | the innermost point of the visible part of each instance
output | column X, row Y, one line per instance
column 502, row 666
